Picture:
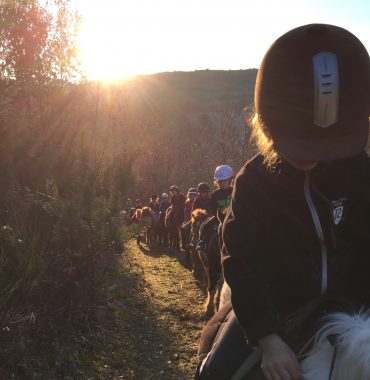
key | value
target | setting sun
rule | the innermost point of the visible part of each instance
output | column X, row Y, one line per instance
column 108, row 42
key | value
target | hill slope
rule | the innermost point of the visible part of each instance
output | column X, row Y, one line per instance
column 201, row 90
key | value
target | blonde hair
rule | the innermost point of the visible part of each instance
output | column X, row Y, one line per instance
column 262, row 138
column 215, row 183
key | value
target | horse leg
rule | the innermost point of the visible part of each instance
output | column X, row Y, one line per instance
column 153, row 235
column 146, row 237
column 165, row 237
column 190, row 260
column 202, row 256
column 176, row 238
column 173, row 238
column 162, row 232
column 211, row 274
column 197, row 265
column 178, row 234
column 212, row 269
column 183, row 238
column 157, row 235
column 170, row 237
column 210, row 304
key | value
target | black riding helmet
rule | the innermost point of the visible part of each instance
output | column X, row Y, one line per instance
column 313, row 93
column 203, row 187
column 174, row 188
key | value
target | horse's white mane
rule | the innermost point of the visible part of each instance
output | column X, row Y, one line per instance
column 353, row 349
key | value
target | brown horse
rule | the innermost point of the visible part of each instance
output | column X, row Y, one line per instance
column 152, row 228
column 163, row 230
column 209, row 259
column 173, row 221
column 198, row 216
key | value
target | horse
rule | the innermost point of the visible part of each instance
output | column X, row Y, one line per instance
column 198, row 216
column 163, row 233
column 341, row 348
column 185, row 232
column 210, row 260
column 173, row 221
column 152, row 228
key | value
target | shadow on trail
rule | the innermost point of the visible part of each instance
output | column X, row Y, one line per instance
column 182, row 257
column 159, row 251
column 122, row 337
column 133, row 340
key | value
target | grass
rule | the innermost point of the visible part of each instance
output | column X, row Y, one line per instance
column 156, row 314
column 145, row 323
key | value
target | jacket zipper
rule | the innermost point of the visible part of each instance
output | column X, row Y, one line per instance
column 319, row 232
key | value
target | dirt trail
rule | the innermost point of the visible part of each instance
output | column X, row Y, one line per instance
column 157, row 310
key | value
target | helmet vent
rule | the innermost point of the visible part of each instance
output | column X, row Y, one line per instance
column 325, row 68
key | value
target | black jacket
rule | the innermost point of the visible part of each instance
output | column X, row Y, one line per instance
column 291, row 236
column 220, row 199
column 202, row 203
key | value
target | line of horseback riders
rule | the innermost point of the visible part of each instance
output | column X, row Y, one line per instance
column 174, row 213
column 191, row 223
column 296, row 240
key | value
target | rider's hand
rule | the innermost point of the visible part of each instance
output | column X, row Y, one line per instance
column 278, row 360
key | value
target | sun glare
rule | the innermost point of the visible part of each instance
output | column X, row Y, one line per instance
column 108, row 44
column 122, row 38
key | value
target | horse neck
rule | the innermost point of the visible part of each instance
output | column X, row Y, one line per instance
column 351, row 361
column 196, row 228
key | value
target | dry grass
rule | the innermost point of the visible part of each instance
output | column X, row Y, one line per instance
column 145, row 323
column 155, row 311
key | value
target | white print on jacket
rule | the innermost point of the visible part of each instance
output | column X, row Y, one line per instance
column 338, row 208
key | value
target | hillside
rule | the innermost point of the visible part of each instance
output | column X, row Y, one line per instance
column 202, row 90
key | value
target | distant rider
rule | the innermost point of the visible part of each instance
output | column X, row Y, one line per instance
column 220, row 201
column 202, row 201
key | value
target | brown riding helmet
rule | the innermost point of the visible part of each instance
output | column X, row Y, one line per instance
column 313, row 93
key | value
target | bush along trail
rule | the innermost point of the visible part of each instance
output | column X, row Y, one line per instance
column 155, row 311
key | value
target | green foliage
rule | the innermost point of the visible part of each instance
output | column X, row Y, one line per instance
column 52, row 260
column 61, row 186
column 22, row 254
column 38, row 42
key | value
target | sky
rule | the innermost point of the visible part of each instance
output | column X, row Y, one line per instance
column 119, row 38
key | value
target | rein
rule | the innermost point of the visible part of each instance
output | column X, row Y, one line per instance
column 331, row 339
column 306, row 347
column 333, row 362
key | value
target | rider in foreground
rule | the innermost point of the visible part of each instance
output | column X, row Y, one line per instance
column 299, row 226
